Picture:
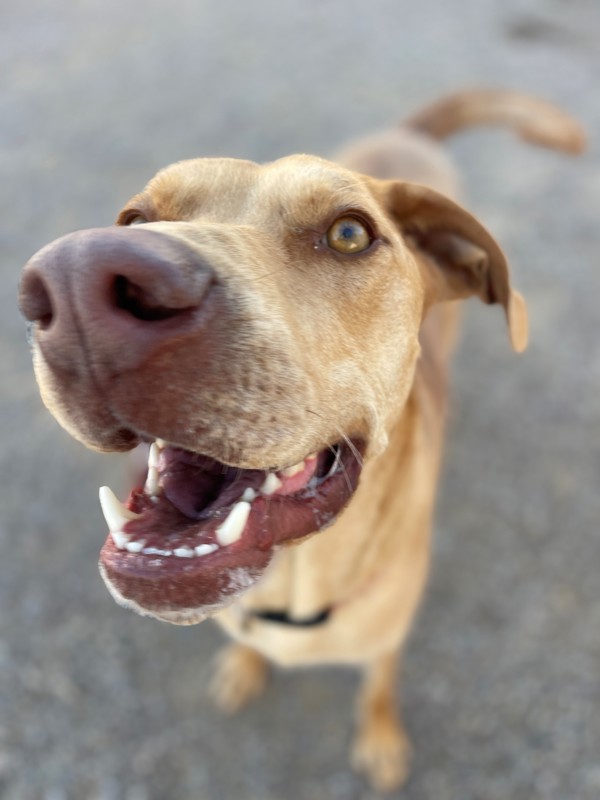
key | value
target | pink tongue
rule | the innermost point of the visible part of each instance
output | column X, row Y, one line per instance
column 195, row 485
column 189, row 489
column 196, row 488
column 188, row 589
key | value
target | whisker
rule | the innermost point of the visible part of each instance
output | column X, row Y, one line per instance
column 347, row 479
column 265, row 275
column 351, row 446
column 337, row 452
column 353, row 449
column 343, row 466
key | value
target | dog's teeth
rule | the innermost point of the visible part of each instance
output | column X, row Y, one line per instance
column 160, row 443
column 205, row 549
column 115, row 513
column 120, row 539
column 151, row 486
column 135, row 547
column 233, row 527
column 153, row 455
column 289, row 472
column 155, row 551
column 271, row 484
column 183, row 552
column 249, row 495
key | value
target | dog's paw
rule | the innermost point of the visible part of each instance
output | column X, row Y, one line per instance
column 382, row 753
column 240, row 676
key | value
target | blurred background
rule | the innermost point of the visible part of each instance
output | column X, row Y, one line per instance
column 501, row 688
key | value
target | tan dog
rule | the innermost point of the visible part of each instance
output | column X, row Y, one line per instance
column 281, row 334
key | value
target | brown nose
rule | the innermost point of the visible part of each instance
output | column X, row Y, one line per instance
column 112, row 296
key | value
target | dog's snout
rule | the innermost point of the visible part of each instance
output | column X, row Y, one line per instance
column 141, row 302
column 36, row 302
column 112, row 295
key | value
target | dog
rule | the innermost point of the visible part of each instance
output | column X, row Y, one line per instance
column 279, row 335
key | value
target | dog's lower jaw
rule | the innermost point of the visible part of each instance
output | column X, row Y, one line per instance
column 199, row 534
column 175, row 616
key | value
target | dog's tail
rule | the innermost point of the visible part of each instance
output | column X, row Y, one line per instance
column 534, row 120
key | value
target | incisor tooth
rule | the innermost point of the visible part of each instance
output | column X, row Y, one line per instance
column 115, row 513
column 120, row 539
column 135, row 547
column 205, row 549
column 271, row 484
column 249, row 495
column 233, row 527
column 183, row 552
column 155, row 551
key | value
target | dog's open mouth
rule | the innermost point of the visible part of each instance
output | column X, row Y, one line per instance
column 200, row 532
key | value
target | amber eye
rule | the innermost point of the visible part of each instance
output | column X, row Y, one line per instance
column 348, row 235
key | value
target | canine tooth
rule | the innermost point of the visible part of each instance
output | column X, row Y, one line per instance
column 233, row 527
column 154, row 551
column 160, row 443
column 115, row 513
column 271, row 484
column 120, row 539
column 135, row 547
column 151, row 486
column 289, row 472
column 153, row 455
column 249, row 495
column 183, row 552
column 205, row 549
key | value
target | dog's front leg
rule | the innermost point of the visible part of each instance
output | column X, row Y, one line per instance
column 240, row 676
column 381, row 749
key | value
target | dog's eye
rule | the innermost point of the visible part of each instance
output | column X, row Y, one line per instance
column 348, row 235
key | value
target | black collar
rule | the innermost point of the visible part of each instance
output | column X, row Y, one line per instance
column 283, row 618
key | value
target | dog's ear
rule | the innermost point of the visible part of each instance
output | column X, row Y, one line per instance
column 459, row 258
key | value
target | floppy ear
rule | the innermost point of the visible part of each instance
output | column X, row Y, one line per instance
column 459, row 258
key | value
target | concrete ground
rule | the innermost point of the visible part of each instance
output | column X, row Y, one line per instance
column 501, row 688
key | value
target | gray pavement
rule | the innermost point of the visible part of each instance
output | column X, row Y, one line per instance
column 501, row 687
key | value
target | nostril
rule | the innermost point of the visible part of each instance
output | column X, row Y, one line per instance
column 36, row 301
column 140, row 302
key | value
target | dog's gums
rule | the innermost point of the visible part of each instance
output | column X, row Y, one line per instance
column 196, row 522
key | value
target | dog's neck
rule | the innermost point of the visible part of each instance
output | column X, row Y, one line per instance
column 309, row 581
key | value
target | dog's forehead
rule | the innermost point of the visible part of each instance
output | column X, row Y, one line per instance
column 202, row 185
column 310, row 187
column 305, row 187
column 302, row 173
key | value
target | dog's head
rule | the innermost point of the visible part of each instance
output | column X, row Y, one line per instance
column 260, row 326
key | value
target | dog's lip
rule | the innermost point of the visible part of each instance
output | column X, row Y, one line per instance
column 162, row 562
